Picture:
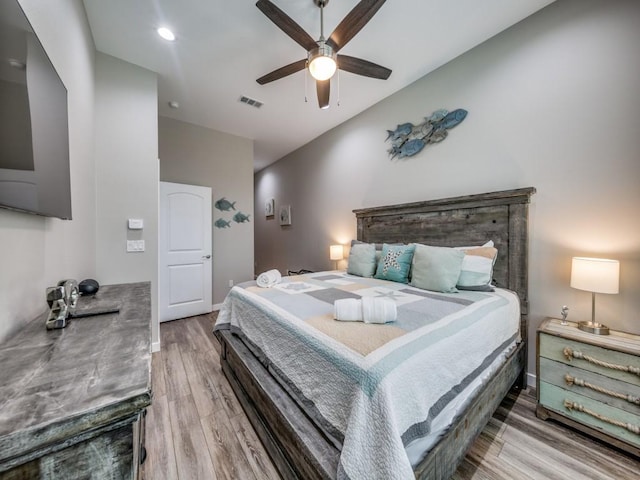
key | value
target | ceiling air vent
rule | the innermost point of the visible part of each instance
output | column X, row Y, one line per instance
column 251, row 101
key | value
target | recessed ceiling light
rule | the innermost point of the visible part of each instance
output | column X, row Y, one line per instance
column 167, row 34
column 173, row 104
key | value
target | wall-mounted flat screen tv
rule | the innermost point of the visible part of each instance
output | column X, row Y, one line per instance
column 34, row 133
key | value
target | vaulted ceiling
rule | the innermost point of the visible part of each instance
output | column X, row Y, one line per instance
column 223, row 46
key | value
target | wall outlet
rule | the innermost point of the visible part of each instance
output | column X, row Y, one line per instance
column 135, row 245
column 231, row 283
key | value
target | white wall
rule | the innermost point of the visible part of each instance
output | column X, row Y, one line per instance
column 126, row 174
column 37, row 252
column 553, row 103
column 200, row 156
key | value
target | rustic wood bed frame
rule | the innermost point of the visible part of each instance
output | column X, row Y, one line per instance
column 296, row 447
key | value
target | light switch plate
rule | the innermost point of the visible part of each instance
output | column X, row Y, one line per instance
column 135, row 245
column 136, row 224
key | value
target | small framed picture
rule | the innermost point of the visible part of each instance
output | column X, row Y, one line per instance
column 285, row 215
column 269, row 208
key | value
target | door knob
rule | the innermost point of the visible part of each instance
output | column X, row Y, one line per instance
column 206, row 257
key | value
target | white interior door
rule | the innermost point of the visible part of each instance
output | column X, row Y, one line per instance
column 185, row 251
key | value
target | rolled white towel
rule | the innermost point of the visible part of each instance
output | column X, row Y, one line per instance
column 378, row 310
column 366, row 309
column 347, row 310
column 269, row 278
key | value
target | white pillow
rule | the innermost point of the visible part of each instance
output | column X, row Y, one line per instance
column 477, row 267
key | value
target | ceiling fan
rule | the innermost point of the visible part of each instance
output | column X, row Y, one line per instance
column 322, row 55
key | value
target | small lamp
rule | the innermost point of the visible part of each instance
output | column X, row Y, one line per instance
column 336, row 253
column 595, row 275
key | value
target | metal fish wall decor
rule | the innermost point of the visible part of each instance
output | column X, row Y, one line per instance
column 221, row 223
column 409, row 139
column 225, row 205
column 241, row 217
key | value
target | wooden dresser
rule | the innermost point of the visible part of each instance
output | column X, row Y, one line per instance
column 590, row 382
column 72, row 401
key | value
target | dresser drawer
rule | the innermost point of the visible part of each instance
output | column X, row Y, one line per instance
column 596, row 414
column 601, row 388
column 599, row 360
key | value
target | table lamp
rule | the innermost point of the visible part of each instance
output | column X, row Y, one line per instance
column 595, row 275
column 336, row 253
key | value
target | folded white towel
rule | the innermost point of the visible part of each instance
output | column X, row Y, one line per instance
column 366, row 309
column 269, row 278
column 378, row 310
column 348, row 310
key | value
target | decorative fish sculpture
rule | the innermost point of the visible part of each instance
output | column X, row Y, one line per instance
column 241, row 217
column 426, row 129
column 453, row 118
column 411, row 147
column 408, row 139
column 408, row 148
column 438, row 135
column 220, row 223
column 224, row 205
column 437, row 116
column 400, row 131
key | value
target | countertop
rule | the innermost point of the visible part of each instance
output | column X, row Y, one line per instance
column 60, row 384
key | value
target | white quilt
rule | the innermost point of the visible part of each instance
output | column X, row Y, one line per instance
column 377, row 390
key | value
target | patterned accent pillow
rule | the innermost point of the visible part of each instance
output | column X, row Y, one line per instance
column 395, row 262
column 436, row 268
column 477, row 268
column 362, row 260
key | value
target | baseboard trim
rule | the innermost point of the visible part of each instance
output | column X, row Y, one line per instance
column 155, row 347
column 531, row 380
column 215, row 307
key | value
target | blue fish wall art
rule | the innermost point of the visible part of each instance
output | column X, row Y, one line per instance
column 221, row 223
column 241, row 217
column 409, row 139
column 224, row 205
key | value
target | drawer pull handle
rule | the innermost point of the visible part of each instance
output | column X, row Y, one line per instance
column 581, row 383
column 569, row 405
column 571, row 353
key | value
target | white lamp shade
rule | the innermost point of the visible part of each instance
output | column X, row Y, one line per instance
column 336, row 252
column 599, row 275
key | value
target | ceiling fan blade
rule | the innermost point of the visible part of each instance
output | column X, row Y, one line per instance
column 355, row 20
column 323, row 87
column 286, row 24
column 283, row 72
column 362, row 67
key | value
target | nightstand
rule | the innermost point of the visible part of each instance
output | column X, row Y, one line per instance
column 590, row 382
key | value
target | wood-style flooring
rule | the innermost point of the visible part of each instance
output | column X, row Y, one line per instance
column 196, row 429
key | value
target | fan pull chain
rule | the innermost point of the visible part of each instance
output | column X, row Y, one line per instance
column 338, row 85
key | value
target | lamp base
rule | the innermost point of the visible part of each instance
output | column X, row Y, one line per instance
column 594, row 327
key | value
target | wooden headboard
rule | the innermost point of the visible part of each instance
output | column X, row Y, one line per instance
column 461, row 221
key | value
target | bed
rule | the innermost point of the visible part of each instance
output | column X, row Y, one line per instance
column 289, row 419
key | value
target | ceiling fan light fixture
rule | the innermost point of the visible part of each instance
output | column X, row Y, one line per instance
column 322, row 62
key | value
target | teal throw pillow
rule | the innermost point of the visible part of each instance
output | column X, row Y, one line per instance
column 436, row 268
column 395, row 262
column 362, row 260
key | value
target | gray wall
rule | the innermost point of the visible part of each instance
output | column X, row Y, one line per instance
column 200, row 156
column 553, row 103
column 114, row 175
column 126, row 153
column 36, row 251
